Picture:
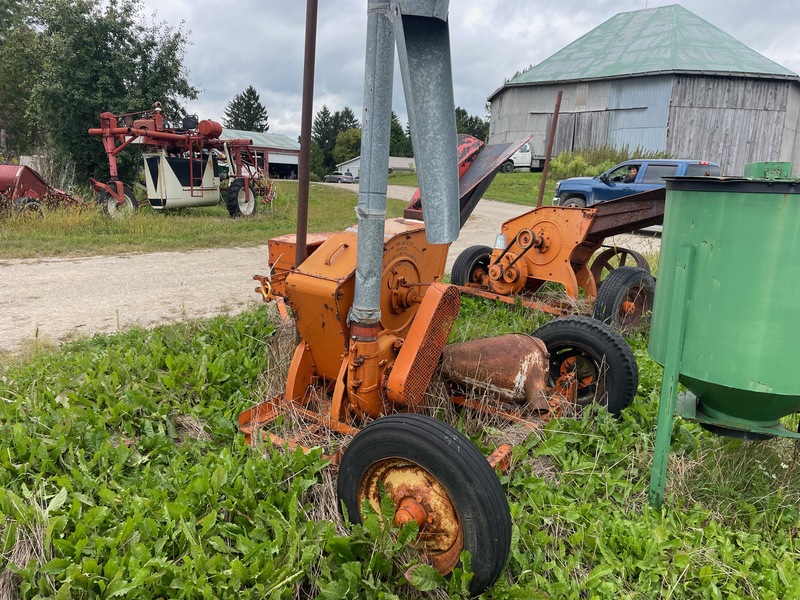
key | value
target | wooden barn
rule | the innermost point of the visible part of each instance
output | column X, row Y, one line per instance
column 657, row 79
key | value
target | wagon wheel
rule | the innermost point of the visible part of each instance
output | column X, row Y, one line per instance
column 438, row 478
column 596, row 356
column 114, row 209
column 28, row 208
column 612, row 258
column 471, row 265
column 626, row 298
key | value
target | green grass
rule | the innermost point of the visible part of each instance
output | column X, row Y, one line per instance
column 519, row 187
column 89, row 232
column 122, row 474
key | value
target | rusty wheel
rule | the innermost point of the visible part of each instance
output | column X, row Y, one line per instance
column 626, row 298
column 613, row 258
column 471, row 265
column 596, row 356
column 438, row 478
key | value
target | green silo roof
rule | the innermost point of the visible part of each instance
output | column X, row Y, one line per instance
column 667, row 39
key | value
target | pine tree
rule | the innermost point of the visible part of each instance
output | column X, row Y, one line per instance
column 246, row 112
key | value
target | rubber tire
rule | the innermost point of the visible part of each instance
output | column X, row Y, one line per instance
column 232, row 198
column 507, row 167
column 458, row 466
column 466, row 263
column 26, row 204
column 573, row 202
column 603, row 346
column 109, row 204
column 613, row 292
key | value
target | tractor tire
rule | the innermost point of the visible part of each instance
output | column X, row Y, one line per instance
column 116, row 211
column 507, row 167
column 626, row 298
column 449, row 481
column 238, row 205
column 607, row 371
column 471, row 262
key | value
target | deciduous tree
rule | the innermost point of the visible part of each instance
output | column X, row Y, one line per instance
column 102, row 56
column 348, row 145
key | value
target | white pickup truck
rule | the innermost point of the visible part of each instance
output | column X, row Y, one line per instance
column 523, row 159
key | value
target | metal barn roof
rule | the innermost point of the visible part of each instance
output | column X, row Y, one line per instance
column 667, row 39
column 273, row 141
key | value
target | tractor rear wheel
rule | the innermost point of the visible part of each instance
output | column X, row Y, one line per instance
column 626, row 298
column 238, row 204
column 115, row 210
column 437, row 477
column 470, row 265
column 596, row 355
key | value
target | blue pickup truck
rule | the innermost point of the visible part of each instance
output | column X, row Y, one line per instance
column 631, row 177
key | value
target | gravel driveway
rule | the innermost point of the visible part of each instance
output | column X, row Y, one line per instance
column 58, row 299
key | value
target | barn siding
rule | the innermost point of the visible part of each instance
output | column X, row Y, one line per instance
column 731, row 121
column 640, row 109
column 629, row 112
column 790, row 145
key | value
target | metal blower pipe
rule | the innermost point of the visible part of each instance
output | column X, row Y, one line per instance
column 423, row 48
column 373, row 178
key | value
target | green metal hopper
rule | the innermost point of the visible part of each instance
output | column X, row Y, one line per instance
column 726, row 316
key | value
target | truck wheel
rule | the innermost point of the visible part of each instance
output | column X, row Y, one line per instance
column 238, row 205
column 507, row 167
column 115, row 210
column 626, row 298
column 436, row 476
column 470, row 265
column 599, row 357
column 574, row 202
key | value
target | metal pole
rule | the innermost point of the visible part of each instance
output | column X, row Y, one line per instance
column 376, row 120
column 550, row 139
column 304, row 160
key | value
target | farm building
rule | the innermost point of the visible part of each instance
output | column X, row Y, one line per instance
column 397, row 164
column 658, row 79
column 282, row 151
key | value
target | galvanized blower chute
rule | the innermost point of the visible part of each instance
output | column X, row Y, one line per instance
column 373, row 319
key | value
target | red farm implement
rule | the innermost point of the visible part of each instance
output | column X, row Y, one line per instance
column 24, row 191
column 183, row 166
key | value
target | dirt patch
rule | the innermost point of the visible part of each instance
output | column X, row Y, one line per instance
column 59, row 299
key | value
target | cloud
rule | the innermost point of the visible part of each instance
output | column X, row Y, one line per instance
column 261, row 43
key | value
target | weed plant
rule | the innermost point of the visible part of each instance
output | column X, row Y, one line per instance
column 122, row 474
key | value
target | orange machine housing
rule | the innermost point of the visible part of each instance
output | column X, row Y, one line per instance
column 320, row 294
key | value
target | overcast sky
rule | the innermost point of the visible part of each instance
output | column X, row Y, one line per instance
column 260, row 43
